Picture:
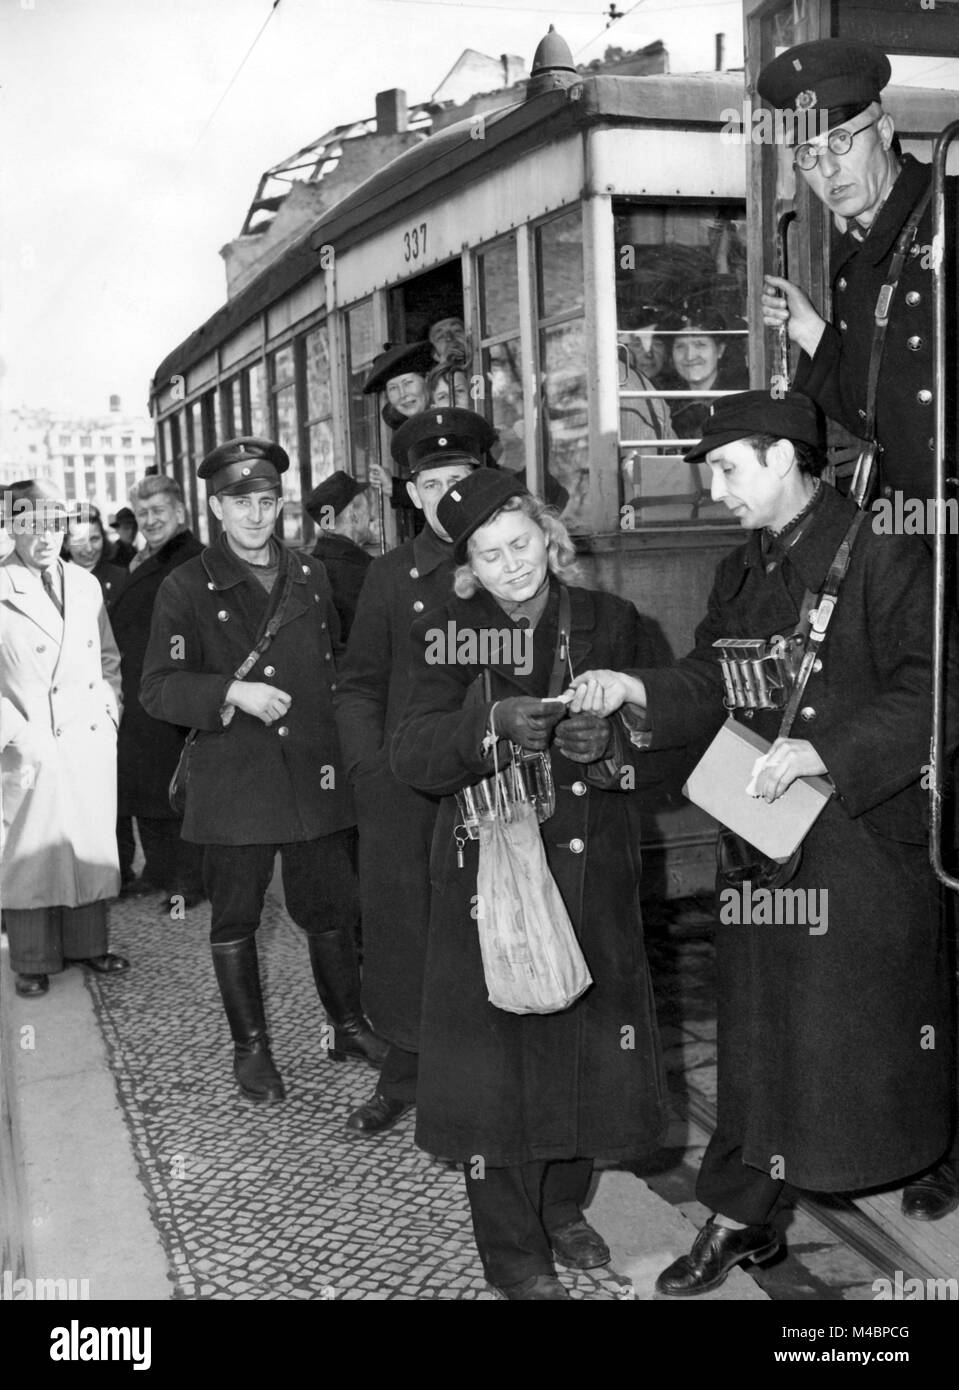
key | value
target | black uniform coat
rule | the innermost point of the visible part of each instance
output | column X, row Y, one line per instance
column 395, row 822
column 250, row 783
column 147, row 749
column 346, row 564
column 823, row 1057
column 112, row 579
column 520, row 1088
column 837, row 374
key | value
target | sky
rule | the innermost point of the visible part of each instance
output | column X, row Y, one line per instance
column 133, row 136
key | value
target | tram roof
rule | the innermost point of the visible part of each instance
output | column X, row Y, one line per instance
column 453, row 158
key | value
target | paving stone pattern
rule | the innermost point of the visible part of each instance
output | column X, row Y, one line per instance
column 273, row 1202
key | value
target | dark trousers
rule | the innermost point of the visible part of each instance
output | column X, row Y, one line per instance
column 731, row 1187
column 168, row 861
column 398, row 1075
column 43, row 938
column 515, row 1208
column 318, row 883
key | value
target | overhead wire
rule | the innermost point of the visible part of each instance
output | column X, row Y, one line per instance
column 212, row 116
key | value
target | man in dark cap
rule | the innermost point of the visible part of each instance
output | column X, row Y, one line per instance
column 125, row 525
column 395, row 822
column 340, row 506
column 241, row 649
column 835, row 1032
column 875, row 192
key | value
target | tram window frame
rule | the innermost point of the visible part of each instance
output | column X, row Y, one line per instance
column 485, row 402
column 287, row 435
column 310, row 476
column 685, row 501
column 362, row 414
column 196, row 451
column 542, row 324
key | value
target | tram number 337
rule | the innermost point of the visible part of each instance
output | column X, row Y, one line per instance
column 414, row 243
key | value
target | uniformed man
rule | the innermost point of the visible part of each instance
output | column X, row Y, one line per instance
column 835, row 1035
column 340, row 506
column 241, row 649
column 856, row 168
column 395, row 822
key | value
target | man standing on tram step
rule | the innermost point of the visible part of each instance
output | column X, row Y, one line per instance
column 856, row 168
column 395, row 822
column 340, row 506
column 265, row 774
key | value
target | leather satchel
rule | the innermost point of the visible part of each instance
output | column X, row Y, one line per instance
column 180, row 781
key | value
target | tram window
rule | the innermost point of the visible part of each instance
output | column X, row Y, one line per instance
column 681, row 340
column 562, row 364
column 256, row 388
column 199, row 445
column 501, row 360
column 364, row 422
column 284, row 431
column 319, row 403
column 559, row 258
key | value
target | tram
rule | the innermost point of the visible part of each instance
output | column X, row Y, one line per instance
column 575, row 231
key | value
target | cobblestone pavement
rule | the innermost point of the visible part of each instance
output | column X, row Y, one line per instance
column 273, row 1202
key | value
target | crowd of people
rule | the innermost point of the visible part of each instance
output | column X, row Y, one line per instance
column 300, row 699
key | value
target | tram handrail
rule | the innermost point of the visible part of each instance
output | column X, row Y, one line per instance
column 939, row 549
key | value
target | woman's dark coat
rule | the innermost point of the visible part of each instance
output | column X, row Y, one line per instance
column 250, row 783
column 505, row 1087
column 147, row 749
column 835, row 1048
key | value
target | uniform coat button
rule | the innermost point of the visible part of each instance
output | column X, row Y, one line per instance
column 322, row 625
column 887, row 491
column 57, row 732
column 43, row 649
column 90, row 642
column 579, row 788
column 414, row 573
column 807, row 712
column 924, row 396
column 209, row 586
column 817, row 664
column 306, row 569
column 913, row 298
column 282, row 731
column 223, row 616
column 914, row 343
column 418, row 606
column 269, row 670
column 327, row 656
column 842, row 325
column 93, row 728
column 841, row 283
column 576, row 846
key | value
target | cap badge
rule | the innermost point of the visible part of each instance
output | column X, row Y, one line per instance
column 439, row 419
column 806, row 99
column 797, row 64
column 246, row 472
column 456, row 497
column 441, row 441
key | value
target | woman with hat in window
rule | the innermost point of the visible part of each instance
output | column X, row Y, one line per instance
column 527, row 1102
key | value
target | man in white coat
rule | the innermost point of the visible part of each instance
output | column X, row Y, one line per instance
column 59, row 688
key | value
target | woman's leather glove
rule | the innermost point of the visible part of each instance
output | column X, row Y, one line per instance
column 584, row 738
column 526, row 721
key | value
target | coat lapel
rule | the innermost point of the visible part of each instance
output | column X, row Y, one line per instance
column 27, row 596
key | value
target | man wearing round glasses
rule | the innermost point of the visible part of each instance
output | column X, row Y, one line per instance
column 856, row 168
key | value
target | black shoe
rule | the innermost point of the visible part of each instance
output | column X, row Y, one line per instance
column 238, row 975
column 106, row 965
column 539, row 1288
column 31, row 986
column 376, row 1115
column 715, row 1251
column 577, row 1246
column 337, row 978
column 932, row 1196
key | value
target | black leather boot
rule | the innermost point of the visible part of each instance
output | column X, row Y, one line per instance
column 337, row 976
column 238, row 975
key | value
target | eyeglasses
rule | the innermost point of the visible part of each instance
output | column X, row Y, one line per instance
column 838, row 142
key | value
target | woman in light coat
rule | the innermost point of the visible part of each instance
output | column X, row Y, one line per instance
column 59, row 683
